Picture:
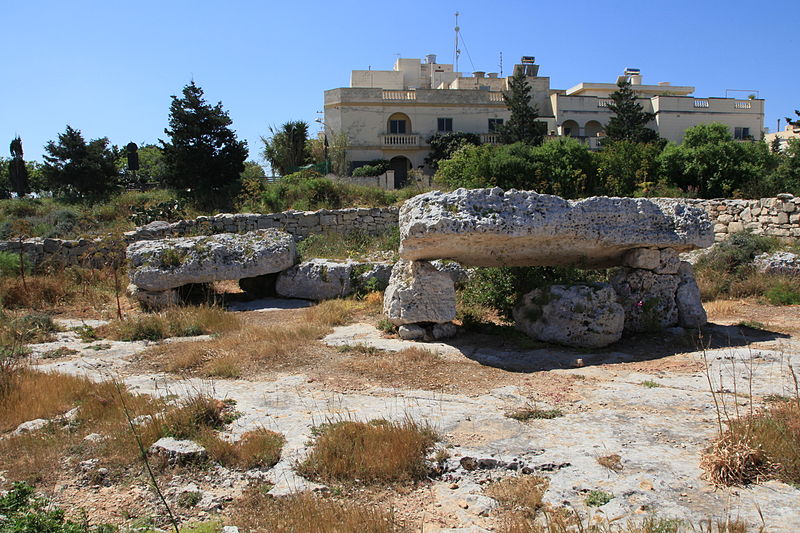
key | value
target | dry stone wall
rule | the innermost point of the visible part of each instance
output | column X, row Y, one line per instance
column 775, row 217
column 300, row 224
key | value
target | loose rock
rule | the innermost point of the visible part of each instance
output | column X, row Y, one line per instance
column 417, row 292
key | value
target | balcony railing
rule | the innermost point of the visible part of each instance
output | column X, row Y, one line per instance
column 490, row 138
column 496, row 96
column 742, row 104
column 400, row 139
column 701, row 103
column 604, row 102
column 399, row 95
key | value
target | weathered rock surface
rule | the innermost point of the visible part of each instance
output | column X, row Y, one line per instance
column 321, row 279
column 459, row 274
column 31, row 425
column 417, row 292
column 786, row 263
column 582, row 316
column 492, row 227
column 178, row 451
column 153, row 300
column 647, row 298
column 168, row 263
column 690, row 307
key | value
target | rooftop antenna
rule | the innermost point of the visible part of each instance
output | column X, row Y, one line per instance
column 501, row 64
column 457, row 51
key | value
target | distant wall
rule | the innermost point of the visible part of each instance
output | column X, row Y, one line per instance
column 775, row 217
column 301, row 224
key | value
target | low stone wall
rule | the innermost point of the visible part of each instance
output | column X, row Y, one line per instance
column 774, row 217
column 58, row 252
column 300, row 224
column 384, row 181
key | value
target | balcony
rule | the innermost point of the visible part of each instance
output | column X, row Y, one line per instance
column 399, row 95
column 490, row 138
column 400, row 140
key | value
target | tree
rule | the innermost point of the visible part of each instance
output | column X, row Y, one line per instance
column 560, row 166
column 522, row 126
column 630, row 120
column 444, row 145
column 710, row 163
column 287, row 149
column 151, row 166
column 17, row 171
column 625, row 167
column 203, row 154
column 795, row 122
column 73, row 166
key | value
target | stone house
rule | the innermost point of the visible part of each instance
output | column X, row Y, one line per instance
column 390, row 114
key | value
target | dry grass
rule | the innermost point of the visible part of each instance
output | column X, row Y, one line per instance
column 722, row 309
column 758, row 447
column 521, row 494
column 378, row 451
column 566, row 521
column 76, row 290
column 273, row 346
column 310, row 513
column 613, row 462
column 174, row 322
column 532, row 412
column 37, row 456
column 255, row 449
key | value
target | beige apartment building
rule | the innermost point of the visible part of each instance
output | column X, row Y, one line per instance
column 390, row 114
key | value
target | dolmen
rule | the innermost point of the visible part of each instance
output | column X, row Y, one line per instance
column 651, row 288
column 264, row 262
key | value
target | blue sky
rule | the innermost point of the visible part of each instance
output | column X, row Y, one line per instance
column 108, row 68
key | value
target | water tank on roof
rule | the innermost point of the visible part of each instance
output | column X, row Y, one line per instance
column 430, row 59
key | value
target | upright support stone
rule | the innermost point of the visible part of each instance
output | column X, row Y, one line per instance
column 417, row 292
column 690, row 308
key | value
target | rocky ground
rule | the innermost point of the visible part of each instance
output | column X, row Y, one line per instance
column 646, row 399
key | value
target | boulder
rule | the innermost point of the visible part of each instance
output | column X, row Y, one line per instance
column 417, row 292
column 786, row 263
column 411, row 332
column 647, row 298
column 492, row 227
column 690, row 307
column 321, row 279
column 459, row 274
column 162, row 264
column 153, row 300
column 317, row 279
column 178, row 452
column 582, row 316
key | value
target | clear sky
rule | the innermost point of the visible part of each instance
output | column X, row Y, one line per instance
column 108, row 67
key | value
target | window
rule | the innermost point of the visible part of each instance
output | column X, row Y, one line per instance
column 741, row 134
column 495, row 124
column 444, row 124
column 397, row 126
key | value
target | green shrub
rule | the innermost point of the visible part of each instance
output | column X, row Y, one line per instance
column 736, row 252
column 784, row 293
column 500, row 288
column 597, row 498
column 9, row 264
column 22, row 512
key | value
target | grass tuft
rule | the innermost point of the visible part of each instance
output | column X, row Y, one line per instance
column 310, row 513
column 175, row 322
column 255, row 449
column 530, row 412
column 378, row 451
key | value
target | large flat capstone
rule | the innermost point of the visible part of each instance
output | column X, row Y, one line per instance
column 168, row 263
column 492, row 227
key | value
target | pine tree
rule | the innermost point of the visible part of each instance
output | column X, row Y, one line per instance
column 795, row 122
column 203, row 154
column 74, row 166
column 522, row 126
column 17, row 171
column 630, row 120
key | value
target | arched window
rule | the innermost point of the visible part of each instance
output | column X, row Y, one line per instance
column 398, row 123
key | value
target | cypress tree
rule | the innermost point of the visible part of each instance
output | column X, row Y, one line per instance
column 522, row 126
column 630, row 120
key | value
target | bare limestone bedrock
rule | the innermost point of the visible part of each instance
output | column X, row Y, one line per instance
column 159, row 265
column 322, row 279
column 582, row 316
column 417, row 292
column 492, row 227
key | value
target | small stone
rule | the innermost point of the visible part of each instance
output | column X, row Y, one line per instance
column 463, row 504
column 411, row 332
column 178, row 451
column 31, row 425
